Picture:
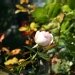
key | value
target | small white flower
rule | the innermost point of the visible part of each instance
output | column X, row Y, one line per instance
column 43, row 38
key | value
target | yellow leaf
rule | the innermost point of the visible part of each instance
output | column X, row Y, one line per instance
column 21, row 61
column 17, row 11
column 33, row 26
column 23, row 28
column 60, row 17
column 15, row 51
column 20, row 7
column 24, row 1
column 11, row 61
column 25, row 10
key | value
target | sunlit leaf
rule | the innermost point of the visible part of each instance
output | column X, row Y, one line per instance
column 12, row 61
column 24, row 28
column 15, row 51
column 20, row 7
column 24, row 1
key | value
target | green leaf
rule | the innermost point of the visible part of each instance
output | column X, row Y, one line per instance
column 43, row 56
column 30, row 49
column 71, row 3
column 40, row 15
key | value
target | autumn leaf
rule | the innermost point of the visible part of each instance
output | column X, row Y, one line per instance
column 2, row 37
column 20, row 9
column 12, row 61
column 24, row 1
column 15, row 51
column 6, row 50
column 24, row 28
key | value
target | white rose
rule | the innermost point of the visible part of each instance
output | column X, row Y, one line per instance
column 43, row 38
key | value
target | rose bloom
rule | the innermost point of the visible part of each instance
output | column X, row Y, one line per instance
column 43, row 38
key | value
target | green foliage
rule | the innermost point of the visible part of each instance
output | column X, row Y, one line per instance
column 43, row 56
column 71, row 3
column 62, row 66
column 63, row 47
column 43, row 14
column 66, row 8
column 40, row 15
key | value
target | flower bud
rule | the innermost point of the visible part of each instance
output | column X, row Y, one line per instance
column 43, row 38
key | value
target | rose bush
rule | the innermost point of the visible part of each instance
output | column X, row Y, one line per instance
column 43, row 38
column 54, row 36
